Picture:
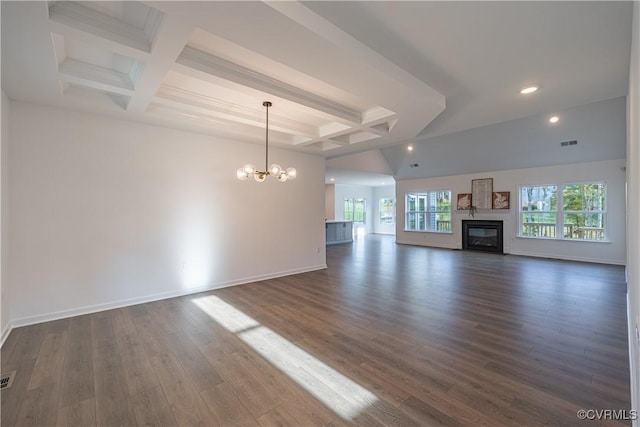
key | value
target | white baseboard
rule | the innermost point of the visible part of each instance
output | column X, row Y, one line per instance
column 5, row 333
column 634, row 357
column 31, row 320
column 411, row 243
column 566, row 258
column 507, row 251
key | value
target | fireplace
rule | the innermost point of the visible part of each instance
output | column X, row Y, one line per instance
column 483, row 236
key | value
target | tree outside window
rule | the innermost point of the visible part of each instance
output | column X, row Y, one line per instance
column 387, row 211
column 584, row 210
column 538, row 209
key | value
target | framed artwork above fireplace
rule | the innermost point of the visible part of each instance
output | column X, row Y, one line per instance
column 500, row 200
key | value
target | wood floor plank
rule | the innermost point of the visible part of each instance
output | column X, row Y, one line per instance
column 184, row 399
column 311, row 412
column 153, row 340
column 123, row 322
column 225, row 406
column 349, row 362
column 78, row 381
column 10, row 344
column 152, row 408
column 40, row 405
column 424, row 414
column 277, row 383
column 278, row 417
column 40, row 402
column 50, row 362
column 202, row 374
column 28, row 346
column 12, row 399
column 484, row 401
column 255, row 397
column 139, row 372
column 81, row 414
column 113, row 405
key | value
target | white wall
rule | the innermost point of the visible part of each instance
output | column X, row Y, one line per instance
column 107, row 212
column 633, row 207
column 330, row 202
column 610, row 171
column 356, row 192
column 371, row 161
column 5, row 295
column 386, row 191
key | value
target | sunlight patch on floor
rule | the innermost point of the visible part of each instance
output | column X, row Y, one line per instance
column 232, row 319
column 336, row 391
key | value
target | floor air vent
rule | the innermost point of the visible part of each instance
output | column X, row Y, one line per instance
column 6, row 380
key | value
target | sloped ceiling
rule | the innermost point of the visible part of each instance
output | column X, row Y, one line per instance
column 344, row 77
column 598, row 130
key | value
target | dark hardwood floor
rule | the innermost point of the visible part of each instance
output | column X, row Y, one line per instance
column 387, row 335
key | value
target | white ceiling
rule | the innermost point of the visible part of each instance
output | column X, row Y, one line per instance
column 344, row 77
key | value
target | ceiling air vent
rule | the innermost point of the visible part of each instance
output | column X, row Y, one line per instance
column 567, row 143
column 6, row 380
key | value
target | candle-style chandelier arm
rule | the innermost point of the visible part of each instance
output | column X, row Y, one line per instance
column 274, row 170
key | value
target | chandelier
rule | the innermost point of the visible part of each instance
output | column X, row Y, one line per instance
column 274, row 170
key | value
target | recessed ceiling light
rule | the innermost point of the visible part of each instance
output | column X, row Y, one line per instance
column 332, row 179
column 553, row 119
column 410, row 148
column 528, row 89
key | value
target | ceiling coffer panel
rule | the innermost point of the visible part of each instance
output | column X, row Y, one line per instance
column 132, row 24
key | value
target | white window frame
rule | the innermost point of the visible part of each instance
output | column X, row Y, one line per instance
column 560, row 213
column 393, row 210
column 430, row 212
column 352, row 201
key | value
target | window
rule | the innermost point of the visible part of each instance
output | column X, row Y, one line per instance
column 429, row 211
column 583, row 211
column 387, row 214
column 568, row 211
column 539, row 211
column 354, row 210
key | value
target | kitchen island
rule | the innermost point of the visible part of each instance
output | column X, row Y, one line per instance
column 339, row 232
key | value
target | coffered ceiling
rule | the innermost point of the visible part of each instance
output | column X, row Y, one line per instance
column 209, row 65
column 343, row 77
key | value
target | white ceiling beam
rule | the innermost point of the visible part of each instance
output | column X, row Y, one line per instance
column 211, row 64
column 377, row 115
column 339, row 134
column 171, row 37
